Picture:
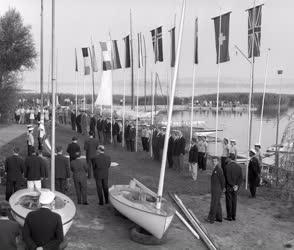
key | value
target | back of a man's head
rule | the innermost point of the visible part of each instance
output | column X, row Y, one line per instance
column 4, row 209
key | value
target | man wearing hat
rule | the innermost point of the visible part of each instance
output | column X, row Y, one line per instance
column 90, row 146
column 10, row 231
column 43, row 228
column 253, row 173
column 62, row 172
column 73, row 148
column 30, row 139
column 101, row 164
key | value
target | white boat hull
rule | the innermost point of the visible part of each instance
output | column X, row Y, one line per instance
column 19, row 212
column 147, row 217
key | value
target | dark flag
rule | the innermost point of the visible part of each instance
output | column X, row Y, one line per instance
column 222, row 32
column 127, row 52
column 115, row 56
column 157, row 44
column 140, row 51
column 254, row 30
column 86, row 57
column 106, row 55
column 196, row 42
column 76, row 61
column 172, row 46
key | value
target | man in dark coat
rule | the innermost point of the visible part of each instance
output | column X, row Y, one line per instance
column 170, row 150
column 93, row 125
column 100, row 130
column 132, row 137
column 62, row 172
column 14, row 167
column 180, row 151
column 73, row 120
column 90, row 146
column 115, row 132
column 79, row 122
column 101, row 167
column 253, row 173
column 127, row 135
column 43, row 228
column 193, row 158
column 73, row 148
column 107, row 131
column 233, row 177
column 217, row 185
column 155, row 143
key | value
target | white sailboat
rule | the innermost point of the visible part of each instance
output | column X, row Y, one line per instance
column 149, row 210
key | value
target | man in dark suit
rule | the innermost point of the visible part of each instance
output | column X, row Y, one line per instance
column 73, row 148
column 217, row 185
column 73, row 120
column 93, row 125
column 170, row 150
column 115, row 132
column 253, row 173
column 100, row 130
column 180, row 151
column 62, row 172
column 233, row 177
column 90, row 146
column 79, row 122
column 127, row 135
column 43, row 228
column 101, row 167
column 14, row 167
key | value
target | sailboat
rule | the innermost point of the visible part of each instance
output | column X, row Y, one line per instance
column 147, row 209
column 24, row 201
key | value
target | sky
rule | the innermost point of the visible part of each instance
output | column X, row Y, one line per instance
column 79, row 21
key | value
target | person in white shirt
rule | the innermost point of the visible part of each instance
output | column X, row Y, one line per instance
column 32, row 116
column 22, row 116
column 30, row 140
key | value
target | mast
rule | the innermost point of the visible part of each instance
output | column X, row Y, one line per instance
column 280, row 72
column 145, row 72
column 42, row 61
column 170, row 110
column 132, row 60
column 53, row 82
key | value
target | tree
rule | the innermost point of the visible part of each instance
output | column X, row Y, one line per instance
column 17, row 54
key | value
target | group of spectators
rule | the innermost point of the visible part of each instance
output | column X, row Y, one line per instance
column 30, row 114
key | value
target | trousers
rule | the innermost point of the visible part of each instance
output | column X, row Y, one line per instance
column 81, row 189
column 231, row 204
column 102, row 189
column 11, row 187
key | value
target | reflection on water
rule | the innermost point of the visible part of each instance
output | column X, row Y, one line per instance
column 235, row 126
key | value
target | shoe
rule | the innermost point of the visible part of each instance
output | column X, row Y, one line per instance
column 229, row 219
column 101, row 204
column 234, row 218
column 85, row 203
column 219, row 220
column 209, row 221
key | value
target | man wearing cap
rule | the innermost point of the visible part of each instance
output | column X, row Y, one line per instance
column 101, row 164
column 34, row 171
column 30, row 140
column 14, row 167
column 43, row 228
column 10, row 231
column 90, row 146
column 73, row 148
column 253, row 173
column 61, row 170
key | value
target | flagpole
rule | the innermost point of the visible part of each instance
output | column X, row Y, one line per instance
column 137, row 109
column 152, row 114
column 124, row 105
column 132, row 60
column 84, row 87
column 192, row 104
column 76, row 80
column 263, row 96
column 145, row 72
column 93, row 78
column 111, row 106
column 170, row 111
column 42, row 62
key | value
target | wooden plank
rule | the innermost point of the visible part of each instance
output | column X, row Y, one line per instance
column 187, row 225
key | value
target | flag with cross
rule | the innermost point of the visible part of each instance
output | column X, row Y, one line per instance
column 222, row 33
column 157, row 44
column 254, row 30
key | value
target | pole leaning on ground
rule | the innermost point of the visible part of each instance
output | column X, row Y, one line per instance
column 170, row 110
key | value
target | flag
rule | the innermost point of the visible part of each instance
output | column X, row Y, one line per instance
column 140, row 51
column 254, row 30
column 115, row 56
column 106, row 55
column 196, row 42
column 157, row 44
column 93, row 60
column 280, row 72
column 86, row 57
column 172, row 46
column 76, row 61
column 222, row 32
column 127, row 52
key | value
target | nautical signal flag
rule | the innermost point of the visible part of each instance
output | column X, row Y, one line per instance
column 157, row 44
column 115, row 56
column 85, row 52
column 76, row 61
column 127, row 52
column 254, row 30
column 172, row 32
column 196, row 42
column 106, row 55
column 93, row 59
column 222, row 32
column 140, row 51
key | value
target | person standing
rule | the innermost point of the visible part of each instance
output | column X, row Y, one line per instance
column 85, row 123
column 101, row 164
column 93, row 125
column 73, row 120
column 226, row 153
column 79, row 122
column 32, row 116
column 132, row 137
column 90, row 146
column 174, row 152
column 14, row 167
column 143, row 137
column 43, row 228
column 253, row 173
column 115, row 132
column 170, row 149
column 41, row 135
column 193, row 159
column 127, row 135
column 30, row 140
column 233, row 150
column 233, row 178
column 73, row 149
column 107, row 131
column 62, row 172
column 180, row 151
column 217, row 185
column 45, row 163
column 22, row 115
column 79, row 169
column 100, row 130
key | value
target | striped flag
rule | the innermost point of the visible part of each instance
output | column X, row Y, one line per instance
column 93, row 60
column 127, row 52
column 140, row 51
column 196, row 42
column 254, row 30
column 157, row 44
column 86, row 57
column 76, row 61
column 106, row 55
column 115, row 56
column 172, row 46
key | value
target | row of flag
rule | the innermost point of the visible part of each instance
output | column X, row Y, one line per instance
column 110, row 52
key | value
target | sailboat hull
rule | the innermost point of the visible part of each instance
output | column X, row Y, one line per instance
column 142, row 213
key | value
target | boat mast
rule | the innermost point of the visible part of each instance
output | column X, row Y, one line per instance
column 170, row 110
column 42, row 61
column 145, row 72
column 53, row 99
column 132, row 60
column 280, row 72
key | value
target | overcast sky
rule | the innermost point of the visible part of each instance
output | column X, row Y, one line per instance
column 79, row 20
